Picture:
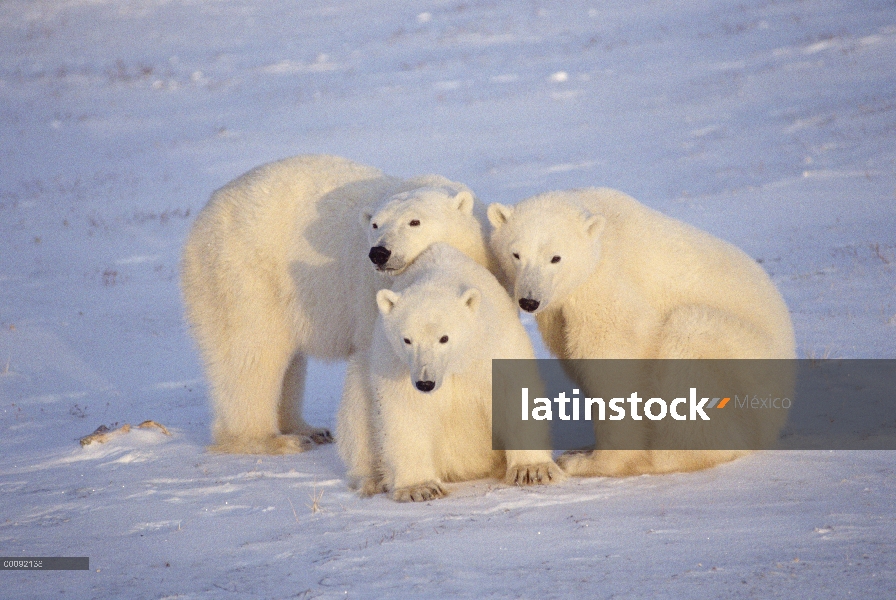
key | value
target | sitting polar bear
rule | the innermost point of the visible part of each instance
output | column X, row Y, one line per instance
column 428, row 418
column 607, row 277
column 277, row 268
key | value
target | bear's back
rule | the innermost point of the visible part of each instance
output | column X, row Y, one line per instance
column 273, row 201
column 681, row 264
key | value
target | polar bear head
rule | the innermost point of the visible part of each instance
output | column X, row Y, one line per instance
column 405, row 224
column 547, row 246
column 432, row 329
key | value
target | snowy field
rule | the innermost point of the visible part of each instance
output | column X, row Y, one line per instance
column 769, row 123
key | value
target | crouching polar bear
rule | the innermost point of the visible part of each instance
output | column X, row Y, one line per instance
column 276, row 269
column 607, row 277
column 428, row 418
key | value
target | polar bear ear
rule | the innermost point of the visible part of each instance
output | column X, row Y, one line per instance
column 463, row 202
column 386, row 301
column 365, row 217
column 471, row 299
column 594, row 226
column 498, row 214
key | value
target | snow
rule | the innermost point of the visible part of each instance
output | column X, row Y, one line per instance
column 770, row 124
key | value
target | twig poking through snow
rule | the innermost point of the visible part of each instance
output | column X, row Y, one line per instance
column 315, row 501
column 295, row 516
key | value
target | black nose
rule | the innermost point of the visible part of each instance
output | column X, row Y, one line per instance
column 379, row 255
column 426, row 386
column 528, row 304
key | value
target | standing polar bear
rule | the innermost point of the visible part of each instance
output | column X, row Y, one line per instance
column 429, row 416
column 284, row 262
column 607, row 277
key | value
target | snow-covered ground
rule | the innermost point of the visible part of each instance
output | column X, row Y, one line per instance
column 770, row 123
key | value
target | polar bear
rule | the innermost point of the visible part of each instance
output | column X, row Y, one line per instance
column 284, row 262
column 607, row 277
column 429, row 417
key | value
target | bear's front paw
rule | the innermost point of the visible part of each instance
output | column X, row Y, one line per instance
column 541, row 473
column 431, row 490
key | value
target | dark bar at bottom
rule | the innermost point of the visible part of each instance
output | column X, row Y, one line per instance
column 45, row 563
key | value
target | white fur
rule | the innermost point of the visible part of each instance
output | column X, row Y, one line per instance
column 633, row 283
column 443, row 321
column 276, row 269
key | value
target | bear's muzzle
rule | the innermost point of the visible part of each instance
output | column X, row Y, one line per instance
column 426, row 386
column 529, row 305
column 379, row 255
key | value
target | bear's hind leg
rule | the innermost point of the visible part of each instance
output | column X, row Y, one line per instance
column 696, row 331
column 247, row 382
column 292, row 400
column 680, row 461
column 606, row 463
column 705, row 334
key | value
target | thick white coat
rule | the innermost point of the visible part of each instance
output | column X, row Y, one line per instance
column 442, row 323
column 608, row 277
column 276, row 269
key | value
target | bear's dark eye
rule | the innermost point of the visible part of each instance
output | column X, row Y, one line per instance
column 374, row 225
column 516, row 255
column 556, row 259
column 407, row 341
column 415, row 223
column 443, row 339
